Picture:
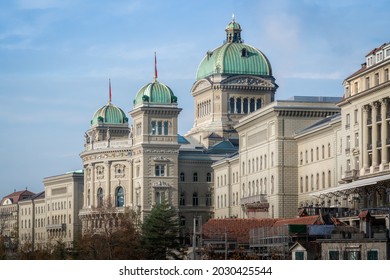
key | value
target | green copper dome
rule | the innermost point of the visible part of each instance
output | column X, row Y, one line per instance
column 234, row 57
column 109, row 114
column 155, row 92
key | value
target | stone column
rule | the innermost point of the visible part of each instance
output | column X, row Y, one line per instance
column 130, row 192
column 364, row 150
column 385, row 102
column 93, row 188
column 107, row 166
column 375, row 134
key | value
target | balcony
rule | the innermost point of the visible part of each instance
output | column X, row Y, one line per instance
column 369, row 121
column 56, row 227
column 378, row 143
column 352, row 174
column 254, row 199
column 100, row 145
column 378, row 118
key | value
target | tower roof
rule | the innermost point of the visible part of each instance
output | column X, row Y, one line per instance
column 234, row 57
column 109, row 114
column 156, row 93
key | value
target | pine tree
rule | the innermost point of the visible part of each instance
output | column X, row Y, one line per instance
column 160, row 233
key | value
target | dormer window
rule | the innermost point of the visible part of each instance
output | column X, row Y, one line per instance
column 244, row 52
column 379, row 56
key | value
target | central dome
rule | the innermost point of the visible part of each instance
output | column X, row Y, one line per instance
column 234, row 57
column 156, row 93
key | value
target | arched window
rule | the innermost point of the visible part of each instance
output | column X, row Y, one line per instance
column 258, row 103
column 100, row 197
column 231, row 105
column 182, row 200
column 119, row 197
column 245, row 106
column 182, row 177
column 238, row 105
column 252, row 105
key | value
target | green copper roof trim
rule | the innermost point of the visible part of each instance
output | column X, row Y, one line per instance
column 155, row 92
column 109, row 114
column 232, row 59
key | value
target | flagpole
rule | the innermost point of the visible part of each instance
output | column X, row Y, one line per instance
column 155, row 68
column 109, row 91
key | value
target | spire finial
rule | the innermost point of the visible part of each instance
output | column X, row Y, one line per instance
column 155, row 67
column 233, row 18
column 109, row 91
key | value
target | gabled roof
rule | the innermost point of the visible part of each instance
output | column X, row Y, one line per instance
column 16, row 196
column 235, row 229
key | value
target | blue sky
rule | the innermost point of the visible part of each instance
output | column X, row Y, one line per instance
column 56, row 58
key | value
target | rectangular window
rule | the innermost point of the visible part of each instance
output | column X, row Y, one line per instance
column 376, row 79
column 299, row 255
column 386, row 75
column 372, row 255
column 352, row 255
column 208, row 199
column 348, row 142
column 356, row 139
column 356, row 116
column 153, row 128
column 159, row 127
column 334, row 255
column 166, row 128
column 367, row 82
column 348, row 164
column 160, row 170
column 356, row 87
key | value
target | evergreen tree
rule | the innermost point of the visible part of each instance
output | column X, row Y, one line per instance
column 160, row 233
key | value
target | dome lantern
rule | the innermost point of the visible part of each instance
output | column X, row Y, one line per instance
column 233, row 32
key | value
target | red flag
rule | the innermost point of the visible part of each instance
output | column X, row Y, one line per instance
column 155, row 67
column 109, row 90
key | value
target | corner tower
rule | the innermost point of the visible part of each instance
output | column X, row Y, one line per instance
column 232, row 81
column 155, row 146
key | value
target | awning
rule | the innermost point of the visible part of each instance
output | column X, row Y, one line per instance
column 353, row 185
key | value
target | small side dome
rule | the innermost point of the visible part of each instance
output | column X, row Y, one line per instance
column 155, row 93
column 109, row 114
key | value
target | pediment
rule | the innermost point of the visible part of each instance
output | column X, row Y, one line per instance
column 201, row 84
column 248, row 81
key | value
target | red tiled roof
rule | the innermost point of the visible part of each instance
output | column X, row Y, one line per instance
column 306, row 220
column 19, row 195
column 235, row 229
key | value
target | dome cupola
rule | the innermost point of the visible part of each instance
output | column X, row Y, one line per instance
column 155, row 93
column 109, row 114
column 234, row 57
